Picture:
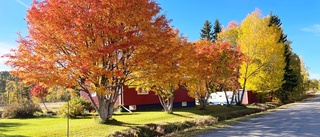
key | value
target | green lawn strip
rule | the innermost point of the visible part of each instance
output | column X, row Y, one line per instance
column 89, row 126
column 195, row 116
column 32, row 126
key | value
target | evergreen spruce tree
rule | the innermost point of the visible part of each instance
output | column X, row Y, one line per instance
column 206, row 32
column 216, row 29
column 290, row 79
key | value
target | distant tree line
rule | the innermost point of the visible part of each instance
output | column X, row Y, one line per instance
column 11, row 90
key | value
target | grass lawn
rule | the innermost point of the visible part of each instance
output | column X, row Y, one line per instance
column 89, row 126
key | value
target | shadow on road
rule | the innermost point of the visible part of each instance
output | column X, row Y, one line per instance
column 301, row 119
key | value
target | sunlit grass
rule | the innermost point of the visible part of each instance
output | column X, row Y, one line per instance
column 89, row 126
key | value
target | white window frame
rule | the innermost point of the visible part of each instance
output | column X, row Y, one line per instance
column 94, row 94
column 142, row 92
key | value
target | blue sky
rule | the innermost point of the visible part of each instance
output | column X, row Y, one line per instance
column 300, row 20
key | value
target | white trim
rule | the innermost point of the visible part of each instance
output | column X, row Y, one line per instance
column 93, row 94
column 132, row 107
column 142, row 92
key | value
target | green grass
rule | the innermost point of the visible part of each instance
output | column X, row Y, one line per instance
column 89, row 126
column 200, row 130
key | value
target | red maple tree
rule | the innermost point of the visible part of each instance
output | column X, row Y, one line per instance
column 39, row 92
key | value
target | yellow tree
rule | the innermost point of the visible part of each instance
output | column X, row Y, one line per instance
column 304, row 74
column 160, row 69
column 12, row 91
column 263, row 68
column 87, row 44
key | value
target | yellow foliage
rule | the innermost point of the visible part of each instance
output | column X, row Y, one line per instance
column 72, row 92
column 264, row 67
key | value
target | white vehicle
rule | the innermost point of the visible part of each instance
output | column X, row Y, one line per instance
column 220, row 98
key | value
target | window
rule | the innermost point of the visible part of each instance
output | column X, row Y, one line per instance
column 94, row 94
column 213, row 97
column 132, row 107
column 142, row 92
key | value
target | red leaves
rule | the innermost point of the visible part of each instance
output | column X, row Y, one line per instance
column 84, row 70
column 38, row 91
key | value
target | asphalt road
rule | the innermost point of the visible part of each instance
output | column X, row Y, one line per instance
column 299, row 120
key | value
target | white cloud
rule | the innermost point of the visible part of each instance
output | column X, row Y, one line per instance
column 312, row 29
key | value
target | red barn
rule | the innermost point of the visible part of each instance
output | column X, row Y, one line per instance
column 148, row 100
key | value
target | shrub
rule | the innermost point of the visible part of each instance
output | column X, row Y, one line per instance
column 77, row 107
column 23, row 109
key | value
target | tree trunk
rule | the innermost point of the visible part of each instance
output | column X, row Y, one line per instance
column 102, row 110
column 243, row 91
column 110, row 110
column 225, row 94
column 170, row 105
column 44, row 104
column 238, row 98
column 106, row 108
column 105, row 104
column 233, row 97
column 167, row 103
column 204, row 100
column 203, row 103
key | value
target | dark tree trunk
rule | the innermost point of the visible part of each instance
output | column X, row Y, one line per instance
column 203, row 103
column 203, row 100
column 44, row 104
column 225, row 94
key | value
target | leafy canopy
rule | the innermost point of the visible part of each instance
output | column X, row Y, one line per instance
column 263, row 68
column 87, row 45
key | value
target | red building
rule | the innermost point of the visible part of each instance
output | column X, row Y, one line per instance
column 250, row 97
column 148, row 100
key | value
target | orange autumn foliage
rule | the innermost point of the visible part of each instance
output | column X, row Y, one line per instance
column 87, row 44
column 160, row 69
column 213, row 65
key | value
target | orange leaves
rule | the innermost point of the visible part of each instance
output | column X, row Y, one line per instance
column 160, row 64
column 212, row 64
column 72, row 42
